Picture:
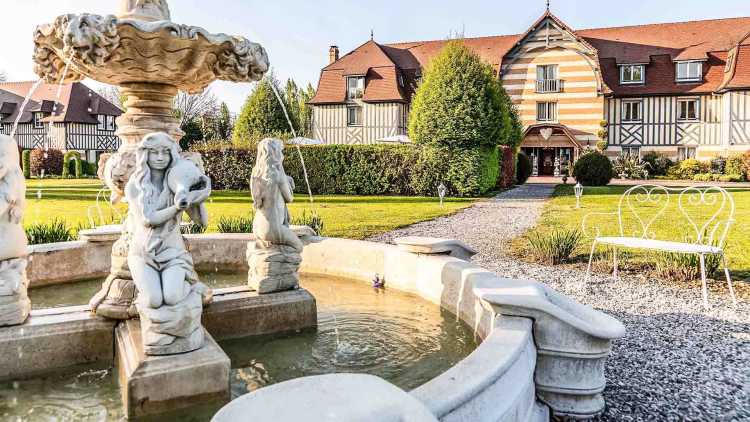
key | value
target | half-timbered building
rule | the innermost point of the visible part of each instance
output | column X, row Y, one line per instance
column 78, row 119
column 681, row 89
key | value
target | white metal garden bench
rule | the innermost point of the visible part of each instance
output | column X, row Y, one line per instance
column 707, row 210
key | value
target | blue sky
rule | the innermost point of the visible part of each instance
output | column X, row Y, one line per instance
column 297, row 33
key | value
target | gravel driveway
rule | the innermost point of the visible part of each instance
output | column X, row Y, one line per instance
column 677, row 361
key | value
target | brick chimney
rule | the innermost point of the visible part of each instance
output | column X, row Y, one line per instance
column 333, row 54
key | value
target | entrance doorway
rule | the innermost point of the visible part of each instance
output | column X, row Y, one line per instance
column 550, row 161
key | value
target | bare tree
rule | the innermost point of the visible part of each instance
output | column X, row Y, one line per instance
column 188, row 107
column 113, row 95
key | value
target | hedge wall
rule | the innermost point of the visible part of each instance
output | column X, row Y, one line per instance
column 365, row 169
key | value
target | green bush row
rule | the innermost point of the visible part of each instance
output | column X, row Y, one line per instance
column 55, row 163
column 364, row 169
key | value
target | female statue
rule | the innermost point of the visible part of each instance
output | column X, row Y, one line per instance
column 163, row 186
column 272, row 189
column 275, row 254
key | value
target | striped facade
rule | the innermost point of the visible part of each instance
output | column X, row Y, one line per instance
column 570, row 88
column 379, row 120
column 723, row 124
column 85, row 138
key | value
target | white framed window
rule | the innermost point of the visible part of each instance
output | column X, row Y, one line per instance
column 355, row 87
column 632, row 74
column 684, row 153
column 690, row 71
column 546, row 112
column 687, row 110
column 111, row 123
column 632, row 111
column 354, row 116
column 101, row 122
column 546, row 72
column 631, row 152
column 38, row 116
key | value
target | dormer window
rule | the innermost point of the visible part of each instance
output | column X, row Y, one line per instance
column 355, row 87
column 689, row 71
column 38, row 116
column 631, row 74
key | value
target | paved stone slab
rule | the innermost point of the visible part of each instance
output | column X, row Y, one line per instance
column 436, row 246
column 151, row 385
column 53, row 340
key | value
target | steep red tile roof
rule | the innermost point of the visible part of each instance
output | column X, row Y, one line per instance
column 679, row 40
column 76, row 103
column 657, row 45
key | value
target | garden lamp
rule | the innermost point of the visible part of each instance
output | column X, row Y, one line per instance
column 579, row 193
column 441, row 192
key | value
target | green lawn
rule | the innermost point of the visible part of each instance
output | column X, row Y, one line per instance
column 355, row 217
column 561, row 212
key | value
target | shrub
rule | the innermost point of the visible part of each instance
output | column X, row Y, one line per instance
column 55, row 231
column 630, row 167
column 459, row 103
column 593, row 169
column 312, row 220
column 72, row 165
column 736, row 165
column 687, row 169
column 683, row 267
column 659, row 164
column 50, row 160
column 238, row 224
column 364, row 169
column 731, row 178
column 556, row 247
column 26, row 163
column 191, row 227
column 705, row 177
column 718, row 165
column 507, row 164
column 524, row 168
column 261, row 116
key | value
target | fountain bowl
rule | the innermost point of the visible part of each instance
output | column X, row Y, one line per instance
column 124, row 51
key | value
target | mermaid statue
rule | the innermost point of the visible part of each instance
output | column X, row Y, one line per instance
column 274, row 256
column 170, row 297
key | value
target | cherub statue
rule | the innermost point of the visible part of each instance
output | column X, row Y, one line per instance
column 14, row 302
column 149, row 10
column 274, row 256
column 170, row 296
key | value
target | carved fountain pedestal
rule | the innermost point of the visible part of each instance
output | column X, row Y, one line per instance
column 150, row 58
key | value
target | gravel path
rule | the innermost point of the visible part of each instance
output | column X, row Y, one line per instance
column 677, row 361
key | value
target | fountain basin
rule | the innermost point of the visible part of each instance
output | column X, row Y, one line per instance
column 518, row 360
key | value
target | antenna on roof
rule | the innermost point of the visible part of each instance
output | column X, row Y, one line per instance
column 372, row 34
column 548, row 5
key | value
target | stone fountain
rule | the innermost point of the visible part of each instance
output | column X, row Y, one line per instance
column 151, row 58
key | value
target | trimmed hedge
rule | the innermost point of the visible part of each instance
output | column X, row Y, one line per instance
column 26, row 163
column 72, row 165
column 51, row 161
column 524, row 168
column 364, row 169
column 593, row 169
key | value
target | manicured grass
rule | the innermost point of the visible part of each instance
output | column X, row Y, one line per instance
column 561, row 212
column 355, row 217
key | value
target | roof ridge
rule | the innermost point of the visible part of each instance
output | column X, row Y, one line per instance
column 451, row 39
column 398, row 43
column 640, row 25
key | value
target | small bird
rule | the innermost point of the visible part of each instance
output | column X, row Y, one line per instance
column 378, row 283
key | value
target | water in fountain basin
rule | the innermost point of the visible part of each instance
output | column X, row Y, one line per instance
column 391, row 334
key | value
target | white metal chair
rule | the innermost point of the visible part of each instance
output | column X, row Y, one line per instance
column 706, row 235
